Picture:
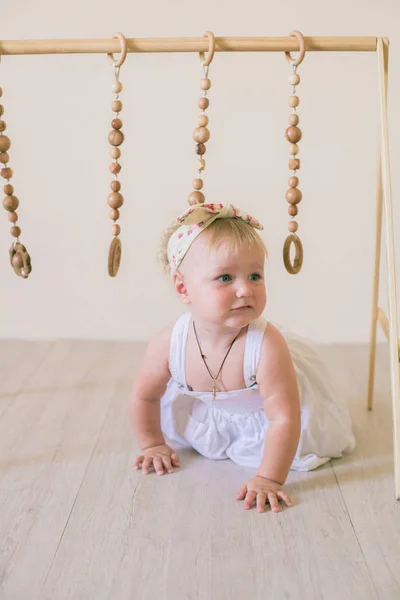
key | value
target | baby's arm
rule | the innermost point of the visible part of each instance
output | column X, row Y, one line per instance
column 150, row 384
column 278, row 386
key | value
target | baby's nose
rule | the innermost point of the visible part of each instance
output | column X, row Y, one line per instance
column 243, row 290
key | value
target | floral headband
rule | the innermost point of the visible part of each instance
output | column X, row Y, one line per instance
column 196, row 219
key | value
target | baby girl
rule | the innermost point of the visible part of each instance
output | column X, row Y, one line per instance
column 221, row 378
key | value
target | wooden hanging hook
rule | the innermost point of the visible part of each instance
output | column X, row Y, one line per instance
column 211, row 49
column 121, row 60
column 302, row 49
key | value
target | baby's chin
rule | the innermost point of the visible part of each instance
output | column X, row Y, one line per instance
column 243, row 314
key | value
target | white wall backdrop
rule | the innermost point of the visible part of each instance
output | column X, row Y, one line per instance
column 58, row 114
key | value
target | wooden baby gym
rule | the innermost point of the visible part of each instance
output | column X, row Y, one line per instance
column 207, row 46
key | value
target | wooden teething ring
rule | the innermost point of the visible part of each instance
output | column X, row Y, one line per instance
column 294, row 268
column 20, row 260
column 211, row 49
column 121, row 60
column 114, row 257
column 302, row 50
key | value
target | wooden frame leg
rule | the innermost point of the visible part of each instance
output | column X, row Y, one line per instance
column 375, row 287
column 383, row 59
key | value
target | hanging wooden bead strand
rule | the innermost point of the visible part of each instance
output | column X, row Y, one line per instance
column 116, row 137
column 201, row 134
column 293, row 135
column 19, row 257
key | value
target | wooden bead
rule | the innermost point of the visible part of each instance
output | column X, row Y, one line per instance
column 3, row 126
column 8, row 189
column 197, row 183
column 11, row 203
column 4, row 157
column 294, row 119
column 203, row 103
column 1, row 92
column 196, row 198
column 294, row 79
column 17, row 261
column 293, row 210
column 12, row 217
column 117, row 87
column 202, row 121
column 1, row 110
column 116, row 123
column 115, row 137
column 294, row 101
column 201, row 135
column 115, row 229
column 115, row 168
column 201, row 164
column 116, row 106
column 293, row 226
column 115, row 185
column 294, row 164
column 200, row 149
column 205, row 83
column 7, row 173
column 294, row 196
column 115, row 152
column 293, row 181
column 293, row 134
column 114, row 214
column 5, row 143
column 293, row 149
column 115, row 200
column 15, row 231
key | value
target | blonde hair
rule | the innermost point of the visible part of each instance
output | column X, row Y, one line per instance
column 235, row 234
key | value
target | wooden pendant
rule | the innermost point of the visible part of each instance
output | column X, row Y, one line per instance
column 20, row 260
column 114, row 257
column 293, row 195
column 116, row 137
column 293, row 268
column 214, row 389
column 201, row 134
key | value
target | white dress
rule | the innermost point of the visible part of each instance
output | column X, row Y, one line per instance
column 234, row 424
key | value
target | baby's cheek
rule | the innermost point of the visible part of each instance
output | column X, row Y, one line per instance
column 223, row 298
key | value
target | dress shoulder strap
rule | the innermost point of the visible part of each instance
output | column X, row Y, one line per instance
column 177, row 352
column 252, row 350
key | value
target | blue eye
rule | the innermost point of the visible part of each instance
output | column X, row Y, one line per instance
column 224, row 278
column 255, row 276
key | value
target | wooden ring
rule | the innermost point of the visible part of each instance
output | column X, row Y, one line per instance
column 211, row 49
column 302, row 50
column 26, row 267
column 294, row 268
column 114, row 257
column 121, row 60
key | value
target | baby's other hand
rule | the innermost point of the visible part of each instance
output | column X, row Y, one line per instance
column 262, row 490
column 159, row 457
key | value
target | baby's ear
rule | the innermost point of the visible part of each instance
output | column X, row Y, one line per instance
column 180, row 287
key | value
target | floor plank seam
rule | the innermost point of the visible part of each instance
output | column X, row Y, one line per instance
column 21, row 388
column 78, row 492
column 354, row 530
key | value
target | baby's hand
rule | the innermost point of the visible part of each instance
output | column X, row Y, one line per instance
column 262, row 490
column 159, row 457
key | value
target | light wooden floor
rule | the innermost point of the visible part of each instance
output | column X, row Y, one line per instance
column 76, row 521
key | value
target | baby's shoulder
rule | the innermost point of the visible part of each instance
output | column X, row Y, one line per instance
column 153, row 373
column 275, row 370
column 274, row 348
